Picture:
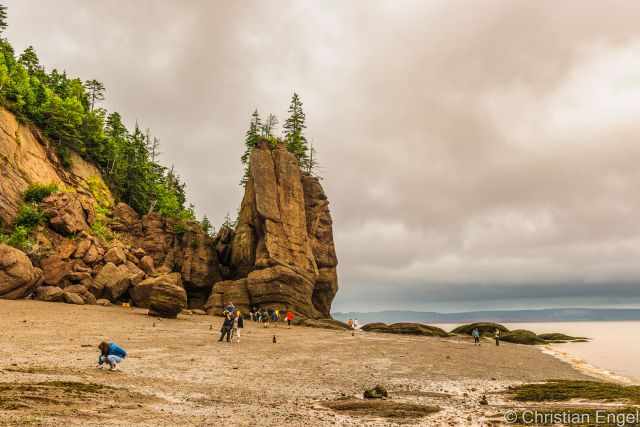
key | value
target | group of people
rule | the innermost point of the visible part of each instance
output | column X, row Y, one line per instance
column 353, row 323
column 476, row 336
column 270, row 315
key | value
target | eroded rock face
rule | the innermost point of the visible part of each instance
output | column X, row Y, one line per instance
column 227, row 291
column 18, row 277
column 69, row 213
column 283, row 242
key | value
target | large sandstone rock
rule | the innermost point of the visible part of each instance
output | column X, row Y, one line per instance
column 69, row 213
column 114, row 281
column 282, row 288
column 115, row 255
column 83, row 292
column 49, row 294
column 56, row 269
column 167, row 300
column 18, row 277
column 126, row 220
column 283, row 243
column 228, row 291
column 141, row 293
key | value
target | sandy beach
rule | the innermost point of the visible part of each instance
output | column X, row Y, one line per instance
column 178, row 374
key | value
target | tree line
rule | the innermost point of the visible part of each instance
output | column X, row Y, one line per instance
column 67, row 111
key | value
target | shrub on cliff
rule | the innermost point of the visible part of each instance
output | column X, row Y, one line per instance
column 37, row 192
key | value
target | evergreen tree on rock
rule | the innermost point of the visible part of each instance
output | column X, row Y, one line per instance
column 294, row 132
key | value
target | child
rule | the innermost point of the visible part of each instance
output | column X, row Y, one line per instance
column 238, row 323
column 289, row 318
column 110, row 353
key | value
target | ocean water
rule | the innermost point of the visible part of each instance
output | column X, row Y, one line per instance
column 614, row 348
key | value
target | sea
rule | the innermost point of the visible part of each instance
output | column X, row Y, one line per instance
column 613, row 350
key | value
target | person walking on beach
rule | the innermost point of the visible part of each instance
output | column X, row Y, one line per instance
column 355, row 324
column 497, row 337
column 476, row 336
column 289, row 318
column 238, row 323
column 227, row 326
column 110, row 353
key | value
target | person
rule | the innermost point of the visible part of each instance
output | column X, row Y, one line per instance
column 350, row 323
column 497, row 337
column 355, row 324
column 225, row 330
column 277, row 318
column 476, row 336
column 265, row 318
column 289, row 318
column 252, row 313
column 238, row 323
column 110, row 353
column 231, row 309
column 271, row 314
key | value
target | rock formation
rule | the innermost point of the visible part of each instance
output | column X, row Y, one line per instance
column 18, row 277
column 282, row 253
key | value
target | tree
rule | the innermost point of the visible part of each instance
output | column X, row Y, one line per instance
column 206, row 225
column 294, row 131
column 3, row 18
column 96, row 92
column 312, row 162
column 269, row 126
column 251, row 139
column 30, row 60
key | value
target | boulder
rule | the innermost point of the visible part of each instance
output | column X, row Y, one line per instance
column 137, row 275
column 522, row 336
column 68, row 213
column 141, row 293
column 378, row 392
column 66, row 248
column 82, row 248
column 49, row 294
column 115, row 255
column 103, row 302
column 406, row 328
column 56, row 269
column 93, row 254
column 114, row 280
column 71, row 298
column 167, row 300
column 125, row 220
column 83, row 292
column 147, row 264
column 18, row 277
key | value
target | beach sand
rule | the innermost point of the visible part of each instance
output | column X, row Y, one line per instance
column 178, row 374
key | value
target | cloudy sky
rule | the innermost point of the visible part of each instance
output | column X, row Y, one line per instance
column 476, row 154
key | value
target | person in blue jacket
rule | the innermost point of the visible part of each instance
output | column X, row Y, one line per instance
column 110, row 353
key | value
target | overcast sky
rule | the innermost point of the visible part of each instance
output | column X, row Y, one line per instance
column 476, row 154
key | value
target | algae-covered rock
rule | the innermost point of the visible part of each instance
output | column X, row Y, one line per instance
column 522, row 336
column 378, row 392
column 558, row 337
column 485, row 328
column 406, row 329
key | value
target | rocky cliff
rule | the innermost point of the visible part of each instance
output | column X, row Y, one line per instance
column 282, row 253
column 91, row 249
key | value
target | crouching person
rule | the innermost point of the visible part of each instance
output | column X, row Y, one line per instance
column 110, row 353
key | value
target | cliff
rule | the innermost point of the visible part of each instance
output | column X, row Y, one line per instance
column 91, row 249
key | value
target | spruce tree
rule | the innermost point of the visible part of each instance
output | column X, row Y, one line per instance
column 294, row 131
column 250, row 141
column 3, row 18
column 269, row 126
column 96, row 92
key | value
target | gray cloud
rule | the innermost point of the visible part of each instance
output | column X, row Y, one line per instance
column 471, row 151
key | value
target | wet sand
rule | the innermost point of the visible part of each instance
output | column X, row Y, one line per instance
column 178, row 374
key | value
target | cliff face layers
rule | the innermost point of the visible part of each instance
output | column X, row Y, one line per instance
column 282, row 254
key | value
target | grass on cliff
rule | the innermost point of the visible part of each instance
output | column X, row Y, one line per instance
column 38, row 192
column 562, row 390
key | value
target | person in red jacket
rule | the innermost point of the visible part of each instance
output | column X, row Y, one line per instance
column 289, row 317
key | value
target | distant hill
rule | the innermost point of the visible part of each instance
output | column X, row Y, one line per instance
column 541, row 315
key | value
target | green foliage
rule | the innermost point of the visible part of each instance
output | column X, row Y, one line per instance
column 30, row 216
column 560, row 390
column 294, row 128
column 3, row 18
column 38, row 192
column 64, row 108
column 19, row 238
column 206, row 225
column 101, row 231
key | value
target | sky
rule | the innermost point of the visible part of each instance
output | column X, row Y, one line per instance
column 476, row 155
